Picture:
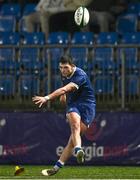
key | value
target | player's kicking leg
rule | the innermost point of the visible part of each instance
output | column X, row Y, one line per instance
column 66, row 154
column 77, row 127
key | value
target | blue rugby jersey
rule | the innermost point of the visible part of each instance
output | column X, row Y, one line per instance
column 84, row 92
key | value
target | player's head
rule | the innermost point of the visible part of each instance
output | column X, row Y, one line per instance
column 66, row 66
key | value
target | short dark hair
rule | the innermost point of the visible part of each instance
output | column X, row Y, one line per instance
column 66, row 59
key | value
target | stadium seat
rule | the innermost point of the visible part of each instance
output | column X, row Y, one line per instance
column 58, row 38
column 7, row 38
column 32, row 38
column 104, row 85
column 9, row 67
column 29, row 8
column 107, row 38
column 11, row 9
column 134, row 8
column 79, row 54
column 7, row 85
column 130, row 53
column 58, row 82
column 82, row 38
column 29, row 57
column 127, row 23
column 7, row 23
column 103, row 57
column 31, row 67
column 132, row 85
column 31, row 54
column 8, row 59
column 28, row 85
column 131, row 38
column 56, row 52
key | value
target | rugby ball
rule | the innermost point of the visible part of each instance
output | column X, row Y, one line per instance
column 81, row 16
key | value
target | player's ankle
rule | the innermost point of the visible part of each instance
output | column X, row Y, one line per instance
column 59, row 164
column 76, row 149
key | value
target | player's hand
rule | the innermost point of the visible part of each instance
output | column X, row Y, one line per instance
column 39, row 100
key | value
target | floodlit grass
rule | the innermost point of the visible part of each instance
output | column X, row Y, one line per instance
column 74, row 172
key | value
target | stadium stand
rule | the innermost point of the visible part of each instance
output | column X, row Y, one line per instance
column 29, row 55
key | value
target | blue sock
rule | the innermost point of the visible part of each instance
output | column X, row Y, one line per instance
column 77, row 149
column 59, row 164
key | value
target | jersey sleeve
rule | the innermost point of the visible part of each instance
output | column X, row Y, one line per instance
column 78, row 80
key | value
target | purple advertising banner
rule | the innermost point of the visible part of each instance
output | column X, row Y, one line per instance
column 39, row 138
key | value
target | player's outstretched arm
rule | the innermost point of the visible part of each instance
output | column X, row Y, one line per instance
column 40, row 100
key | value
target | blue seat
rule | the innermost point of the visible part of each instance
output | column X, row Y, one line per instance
column 7, row 38
column 132, row 86
column 126, row 23
column 29, row 8
column 56, row 83
column 103, row 57
column 58, row 38
column 107, row 38
column 131, row 38
column 82, row 38
column 11, row 9
column 7, row 85
column 79, row 54
column 23, row 28
column 130, row 54
column 28, row 54
column 9, row 67
column 7, row 23
column 134, row 8
column 29, row 85
column 56, row 52
column 31, row 67
column 104, row 85
column 33, row 38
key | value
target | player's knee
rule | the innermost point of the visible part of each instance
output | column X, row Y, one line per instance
column 75, row 127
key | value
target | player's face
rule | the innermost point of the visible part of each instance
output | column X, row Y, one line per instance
column 66, row 69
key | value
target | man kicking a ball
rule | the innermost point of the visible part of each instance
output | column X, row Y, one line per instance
column 78, row 93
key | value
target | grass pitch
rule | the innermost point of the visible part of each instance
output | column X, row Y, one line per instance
column 73, row 172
